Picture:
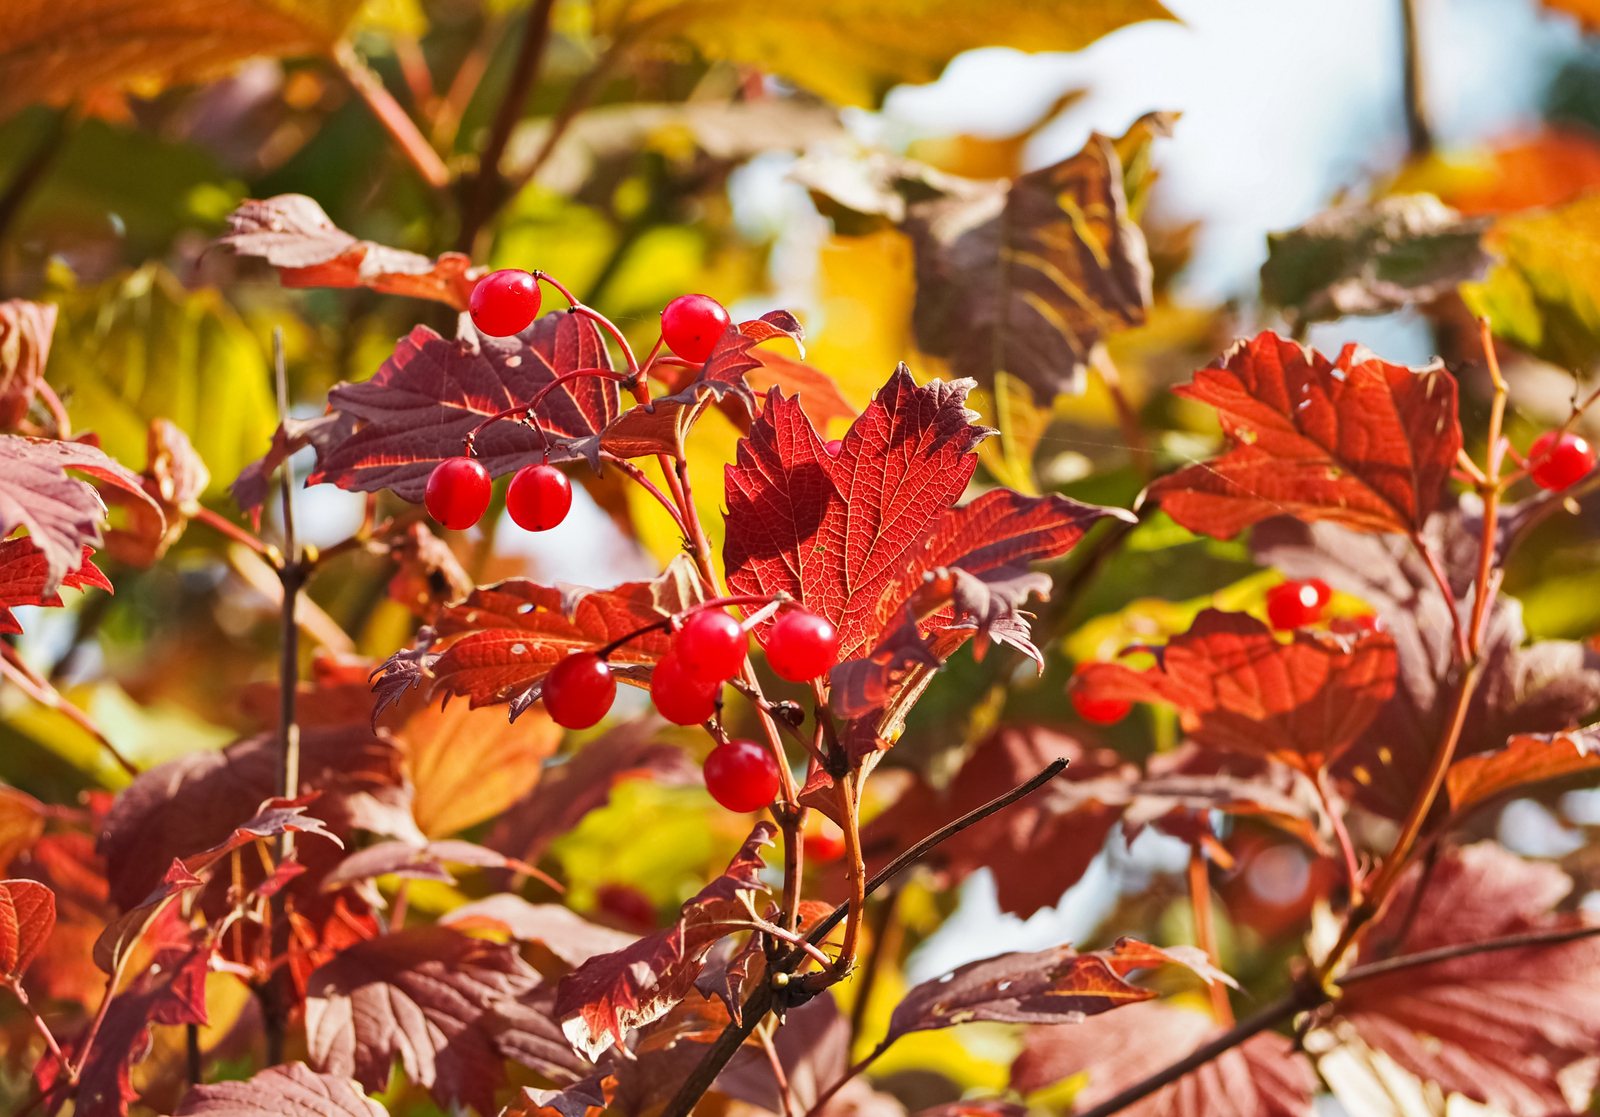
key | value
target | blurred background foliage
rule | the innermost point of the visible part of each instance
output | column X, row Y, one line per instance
column 656, row 147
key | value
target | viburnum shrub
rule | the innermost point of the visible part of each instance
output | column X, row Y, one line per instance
column 452, row 865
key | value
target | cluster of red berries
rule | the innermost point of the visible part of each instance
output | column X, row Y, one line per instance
column 1559, row 459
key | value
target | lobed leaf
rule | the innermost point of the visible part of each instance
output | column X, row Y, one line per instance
column 1356, row 441
column 289, row 1090
column 24, row 570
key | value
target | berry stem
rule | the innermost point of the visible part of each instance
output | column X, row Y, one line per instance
column 1205, row 931
column 1489, row 489
column 855, row 870
column 594, row 316
column 649, row 486
column 526, row 410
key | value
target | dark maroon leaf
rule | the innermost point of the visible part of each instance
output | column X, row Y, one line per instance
column 1499, row 1028
column 561, row 931
column 526, row 1031
column 291, row 1090
column 419, row 407
column 24, row 570
column 62, row 513
column 1262, row 1077
column 574, row 1101
column 416, row 862
column 422, row 996
column 600, row 1001
column 27, row 916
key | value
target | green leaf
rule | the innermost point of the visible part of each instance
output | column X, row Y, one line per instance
column 140, row 347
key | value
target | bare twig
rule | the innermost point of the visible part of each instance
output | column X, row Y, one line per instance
column 412, row 143
column 14, row 668
column 1419, row 136
column 1205, row 929
column 855, row 871
column 291, row 574
column 1489, row 489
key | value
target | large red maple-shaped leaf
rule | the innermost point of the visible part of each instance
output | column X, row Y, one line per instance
column 498, row 644
column 1357, row 441
column 600, row 1001
column 1238, row 688
column 62, row 513
column 1499, row 1027
column 419, row 407
column 24, row 572
column 292, row 233
column 1262, row 1077
column 423, row 996
column 855, row 536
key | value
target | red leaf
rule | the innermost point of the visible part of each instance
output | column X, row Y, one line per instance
column 27, row 916
column 561, row 931
column 852, row 536
column 421, row 404
column 1357, row 441
column 423, row 996
column 600, row 1001
column 62, row 514
column 292, row 1090
column 1037, row 848
column 1237, row 688
column 1055, row 986
column 498, row 644
column 24, row 571
column 817, row 392
column 1502, row 1027
column 25, row 331
column 292, row 233
column 1526, row 759
column 1262, row 1077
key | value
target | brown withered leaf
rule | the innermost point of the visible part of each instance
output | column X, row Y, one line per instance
column 600, row 1001
column 292, row 233
column 1237, row 688
column 1054, row 986
column 25, row 330
column 1500, row 1028
column 423, row 996
column 289, row 1090
column 1262, row 1077
column 1356, row 441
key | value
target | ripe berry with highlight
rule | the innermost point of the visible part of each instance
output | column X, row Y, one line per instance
column 682, row 700
column 579, row 690
column 826, row 843
column 1296, row 604
column 801, row 646
column 457, row 492
column 1556, row 461
column 710, row 646
column 691, row 325
column 1100, row 711
column 539, row 497
column 504, row 302
column 742, row 776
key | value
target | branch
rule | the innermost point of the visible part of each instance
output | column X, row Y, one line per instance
column 1467, row 950
column 394, row 119
column 761, row 1001
column 1419, row 136
column 40, row 690
column 483, row 192
column 291, row 575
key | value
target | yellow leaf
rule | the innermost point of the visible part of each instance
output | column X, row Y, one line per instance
column 55, row 50
column 1547, row 294
column 469, row 765
column 853, row 51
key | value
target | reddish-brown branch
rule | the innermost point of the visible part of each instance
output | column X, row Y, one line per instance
column 230, row 529
column 14, row 668
column 1205, row 930
column 412, row 143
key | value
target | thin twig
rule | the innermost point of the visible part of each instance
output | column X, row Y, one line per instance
column 1205, row 930
column 401, row 128
column 57, row 409
column 578, row 97
column 1419, row 136
column 483, row 192
column 14, row 668
column 853, row 1070
column 1388, row 966
column 1489, row 489
column 855, row 871
column 292, row 576
column 228, row 528
column 1463, row 648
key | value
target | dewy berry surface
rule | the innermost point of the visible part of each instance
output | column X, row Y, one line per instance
column 741, row 775
column 710, row 646
column 539, row 497
column 457, row 493
column 1556, row 461
column 691, row 325
column 1297, row 604
column 579, row 690
column 801, row 646
column 504, row 302
column 680, row 699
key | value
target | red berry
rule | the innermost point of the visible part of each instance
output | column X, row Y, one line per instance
column 742, row 776
column 579, row 690
column 627, row 905
column 826, row 843
column 1296, row 604
column 710, row 646
column 801, row 646
column 681, row 699
column 691, row 325
column 539, row 497
column 457, row 493
column 1100, row 711
column 504, row 302
column 1555, row 460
